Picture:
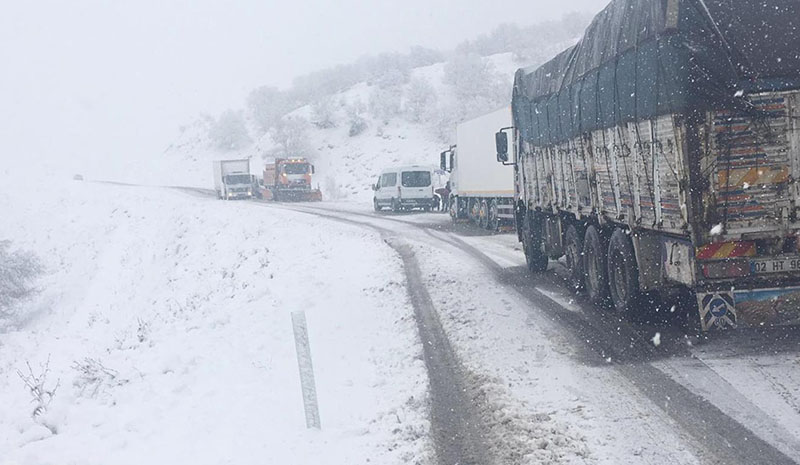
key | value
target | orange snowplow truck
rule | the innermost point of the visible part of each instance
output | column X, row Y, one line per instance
column 290, row 179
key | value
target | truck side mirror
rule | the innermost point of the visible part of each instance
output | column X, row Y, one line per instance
column 443, row 161
column 501, row 143
column 375, row 187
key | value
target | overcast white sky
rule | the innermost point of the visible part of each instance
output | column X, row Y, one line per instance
column 118, row 77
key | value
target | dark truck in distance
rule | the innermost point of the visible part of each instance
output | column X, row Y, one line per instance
column 661, row 155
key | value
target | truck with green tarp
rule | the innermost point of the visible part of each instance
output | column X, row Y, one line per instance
column 660, row 156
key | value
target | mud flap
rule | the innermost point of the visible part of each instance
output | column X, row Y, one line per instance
column 717, row 310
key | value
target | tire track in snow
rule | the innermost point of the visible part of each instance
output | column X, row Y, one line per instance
column 456, row 425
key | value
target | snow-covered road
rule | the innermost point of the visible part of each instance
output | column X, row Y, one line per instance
column 186, row 299
column 570, row 383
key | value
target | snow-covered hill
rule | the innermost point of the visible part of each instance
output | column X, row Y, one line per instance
column 347, row 163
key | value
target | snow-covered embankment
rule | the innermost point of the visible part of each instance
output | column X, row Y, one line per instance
column 165, row 319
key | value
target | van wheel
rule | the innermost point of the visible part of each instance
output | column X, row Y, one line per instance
column 483, row 215
column 574, row 256
column 375, row 205
column 395, row 206
column 494, row 219
column 595, row 266
column 534, row 245
column 623, row 274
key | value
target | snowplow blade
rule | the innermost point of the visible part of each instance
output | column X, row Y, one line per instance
column 315, row 196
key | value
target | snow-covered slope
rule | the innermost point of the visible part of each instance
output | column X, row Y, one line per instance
column 165, row 320
column 346, row 164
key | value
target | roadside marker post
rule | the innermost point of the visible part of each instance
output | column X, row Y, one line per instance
column 307, row 384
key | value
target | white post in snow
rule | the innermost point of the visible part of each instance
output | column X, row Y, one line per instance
column 306, row 369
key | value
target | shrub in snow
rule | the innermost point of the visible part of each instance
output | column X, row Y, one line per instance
column 18, row 270
column 93, row 377
column 229, row 132
column 356, row 119
column 323, row 113
column 41, row 394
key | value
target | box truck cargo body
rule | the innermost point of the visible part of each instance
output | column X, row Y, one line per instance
column 662, row 153
column 480, row 188
column 232, row 179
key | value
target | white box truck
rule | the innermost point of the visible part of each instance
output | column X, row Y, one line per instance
column 480, row 188
column 232, row 179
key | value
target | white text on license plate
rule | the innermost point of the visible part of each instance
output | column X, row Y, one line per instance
column 776, row 265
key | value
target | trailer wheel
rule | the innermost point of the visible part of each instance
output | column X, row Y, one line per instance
column 474, row 210
column 595, row 253
column 574, row 256
column 623, row 274
column 534, row 245
column 483, row 215
column 453, row 208
column 494, row 219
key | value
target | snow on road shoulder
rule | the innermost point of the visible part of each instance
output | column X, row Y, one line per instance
column 166, row 322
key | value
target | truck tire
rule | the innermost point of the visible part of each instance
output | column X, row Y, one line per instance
column 474, row 210
column 395, row 206
column 375, row 205
column 453, row 208
column 623, row 274
column 595, row 254
column 483, row 215
column 573, row 252
column 494, row 219
column 533, row 244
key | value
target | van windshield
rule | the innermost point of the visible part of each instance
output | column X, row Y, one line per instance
column 416, row 179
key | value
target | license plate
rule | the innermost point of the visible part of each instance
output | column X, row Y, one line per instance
column 775, row 265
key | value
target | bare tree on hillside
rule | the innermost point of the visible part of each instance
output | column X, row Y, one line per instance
column 323, row 113
column 267, row 105
column 290, row 135
column 229, row 132
column 420, row 101
column 385, row 103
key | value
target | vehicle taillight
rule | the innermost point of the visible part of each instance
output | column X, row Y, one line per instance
column 726, row 269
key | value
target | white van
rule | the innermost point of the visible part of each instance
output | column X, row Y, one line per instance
column 404, row 188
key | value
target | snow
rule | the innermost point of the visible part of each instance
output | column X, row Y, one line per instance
column 166, row 321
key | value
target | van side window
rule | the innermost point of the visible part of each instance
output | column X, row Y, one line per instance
column 389, row 180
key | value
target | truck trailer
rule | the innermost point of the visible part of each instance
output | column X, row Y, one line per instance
column 232, row 179
column 661, row 155
column 480, row 189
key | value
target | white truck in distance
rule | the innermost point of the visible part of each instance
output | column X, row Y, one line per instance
column 480, row 188
column 232, row 179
